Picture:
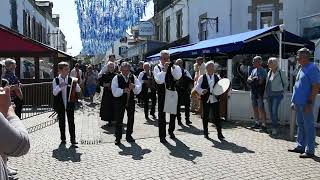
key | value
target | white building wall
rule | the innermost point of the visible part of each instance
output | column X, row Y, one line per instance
column 239, row 16
column 5, row 18
column 115, row 48
column 213, row 8
column 293, row 10
column 172, row 13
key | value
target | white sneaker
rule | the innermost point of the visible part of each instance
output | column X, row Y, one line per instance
column 11, row 172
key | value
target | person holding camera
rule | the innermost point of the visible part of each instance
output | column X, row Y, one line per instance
column 14, row 139
column 257, row 80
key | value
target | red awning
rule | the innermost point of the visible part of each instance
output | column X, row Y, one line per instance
column 15, row 44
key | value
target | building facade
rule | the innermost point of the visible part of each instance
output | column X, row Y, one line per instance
column 33, row 19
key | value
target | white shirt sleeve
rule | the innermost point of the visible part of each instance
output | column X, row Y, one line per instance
column 137, row 85
column 55, row 88
column 188, row 74
column 159, row 76
column 198, row 86
column 103, row 70
column 176, row 72
column 78, row 89
column 140, row 77
column 116, row 91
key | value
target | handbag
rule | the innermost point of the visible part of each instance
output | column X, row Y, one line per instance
column 170, row 102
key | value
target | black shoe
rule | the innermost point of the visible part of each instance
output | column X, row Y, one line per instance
column 117, row 142
column 264, row 129
column 130, row 139
column 188, row 122
column 296, row 150
column 74, row 146
column 74, row 142
column 256, row 126
column 180, row 123
column 109, row 124
column 163, row 141
column 172, row 136
column 220, row 137
column 306, row 155
column 63, row 142
column 206, row 136
column 154, row 116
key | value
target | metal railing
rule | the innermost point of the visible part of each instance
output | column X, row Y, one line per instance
column 38, row 99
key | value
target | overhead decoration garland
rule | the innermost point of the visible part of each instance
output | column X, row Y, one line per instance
column 104, row 21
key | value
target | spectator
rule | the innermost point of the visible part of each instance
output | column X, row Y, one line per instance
column 91, row 83
column 305, row 90
column 76, row 72
column 14, row 140
column 15, row 86
column 257, row 80
column 276, row 84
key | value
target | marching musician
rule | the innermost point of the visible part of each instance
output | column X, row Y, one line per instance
column 165, row 75
column 65, row 89
column 184, row 85
column 124, row 86
column 107, row 108
column 148, row 90
column 210, row 102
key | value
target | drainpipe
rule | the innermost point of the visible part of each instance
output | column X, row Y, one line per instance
column 230, row 16
column 188, row 18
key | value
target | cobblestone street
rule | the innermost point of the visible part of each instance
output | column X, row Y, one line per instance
column 245, row 154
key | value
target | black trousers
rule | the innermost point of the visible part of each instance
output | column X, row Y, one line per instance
column 18, row 109
column 214, row 107
column 183, row 99
column 162, row 117
column 62, row 124
column 120, row 108
column 146, row 97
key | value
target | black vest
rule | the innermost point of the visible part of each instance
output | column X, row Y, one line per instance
column 144, row 86
column 123, row 84
column 184, row 83
column 106, row 78
column 205, row 85
column 58, row 104
column 170, row 82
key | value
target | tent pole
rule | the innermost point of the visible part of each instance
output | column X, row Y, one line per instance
column 280, row 44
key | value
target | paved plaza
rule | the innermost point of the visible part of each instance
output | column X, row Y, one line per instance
column 246, row 154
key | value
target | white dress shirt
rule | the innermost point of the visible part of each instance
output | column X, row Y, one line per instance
column 117, row 92
column 212, row 98
column 159, row 76
column 73, row 73
column 57, row 89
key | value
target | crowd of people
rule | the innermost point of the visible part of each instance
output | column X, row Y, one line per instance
column 171, row 86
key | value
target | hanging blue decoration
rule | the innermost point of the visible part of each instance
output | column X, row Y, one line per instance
column 102, row 22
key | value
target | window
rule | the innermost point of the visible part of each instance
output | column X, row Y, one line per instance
column 168, row 29
column 45, row 68
column 158, row 32
column 14, row 16
column 27, row 69
column 310, row 27
column 203, row 27
column 34, row 28
column 265, row 16
column 203, row 30
column 179, row 24
column 28, row 25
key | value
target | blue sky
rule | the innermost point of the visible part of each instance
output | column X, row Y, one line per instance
column 69, row 22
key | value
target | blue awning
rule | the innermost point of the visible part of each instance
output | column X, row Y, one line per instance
column 253, row 42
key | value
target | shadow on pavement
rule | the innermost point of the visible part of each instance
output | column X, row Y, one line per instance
column 66, row 154
column 190, row 129
column 181, row 150
column 135, row 151
column 230, row 146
